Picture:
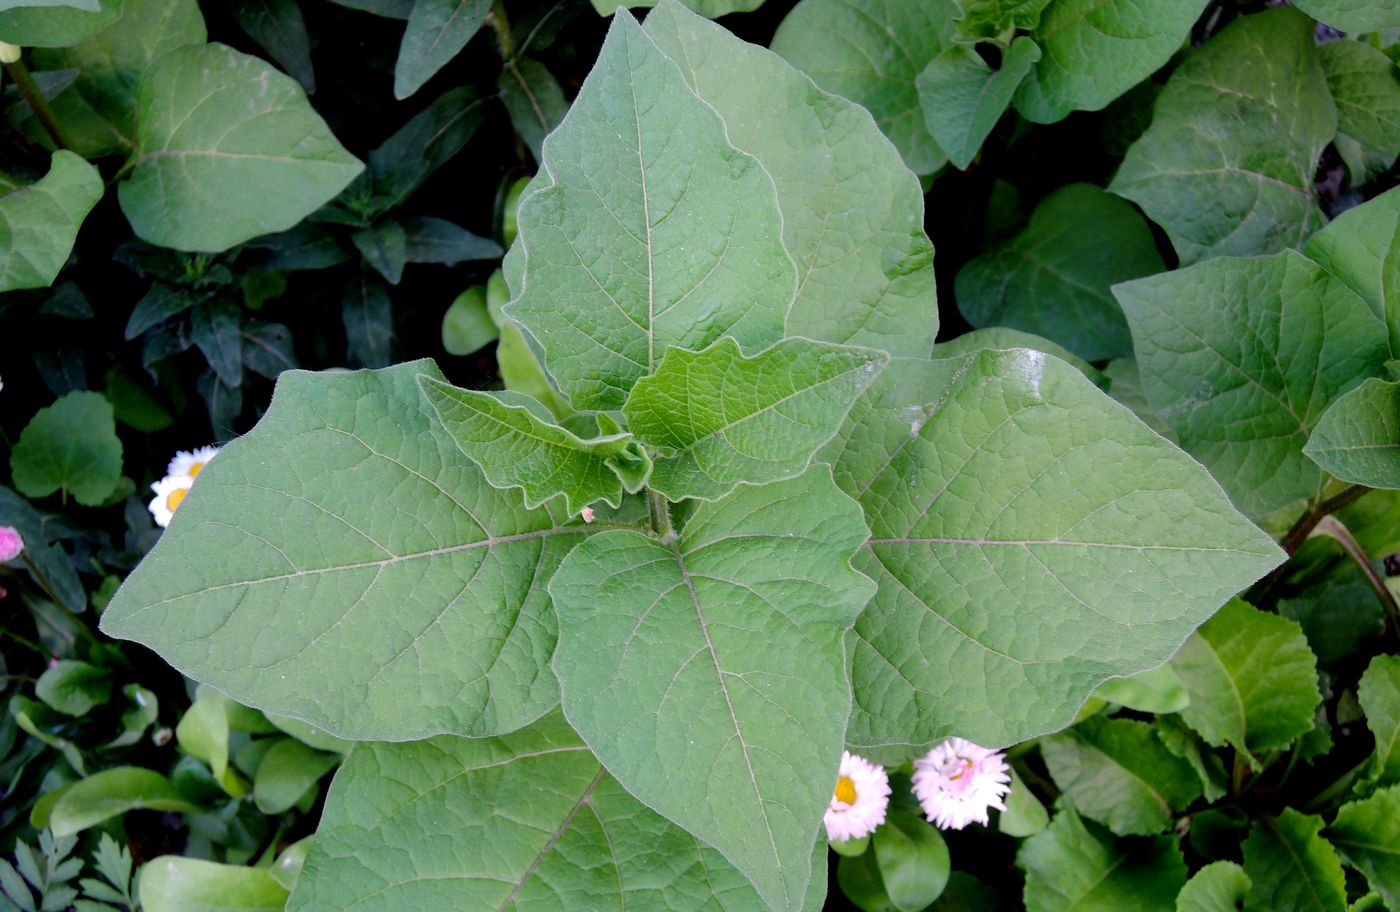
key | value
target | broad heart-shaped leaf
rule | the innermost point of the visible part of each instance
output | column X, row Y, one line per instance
column 227, row 148
column 1053, row 278
column 1252, row 680
column 1097, row 50
column 708, row 672
column 1358, row 438
column 1354, row 246
column 871, row 283
column 1072, row 866
column 963, row 98
column 70, row 446
column 1291, row 867
column 1367, row 835
column 872, row 52
column 1117, row 771
column 437, row 31
column 1365, row 85
column 1220, row 886
column 645, row 229
column 1241, row 356
column 528, row 822
column 60, row 26
column 39, row 222
column 369, row 559
column 717, row 418
column 518, row 448
column 1030, row 538
column 1353, row 15
column 1379, row 694
column 1227, row 165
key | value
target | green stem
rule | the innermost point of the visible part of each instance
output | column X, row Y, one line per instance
column 1237, row 774
column 501, row 23
column 36, row 101
column 659, row 511
column 1338, row 787
column 1334, row 529
column 1295, row 536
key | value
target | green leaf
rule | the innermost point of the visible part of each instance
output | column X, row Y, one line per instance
column 1071, row 865
column 70, row 446
column 873, row 53
column 714, row 664
column 139, row 716
column 227, row 148
column 1031, row 538
column 113, row 792
column 287, row 770
column 677, row 220
column 1367, row 836
column 1157, row 690
column 987, row 20
column 1097, row 50
column 434, row 240
column 60, row 26
column 1354, row 248
column 427, row 142
column 521, row 371
column 385, row 247
column 437, row 31
column 1241, row 123
column 309, row 735
column 715, row 418
column 89, row 5
column 1358, row 438
column 859, row 877
column 1352, row 15
column 1117, row 772
column 278, row 28
column 39, row 222
column 1125, row 385
column 913, row 860
column 870, row 283
column 1024, row 814
column 1365, row 85
column 286, row 870
column 963, row 98
column 517, row 448
column 534, row 99
column 1053, row 278
column 1291, row 868
column 572, row 837
column 1252, row 680
column 1220, row 886
column 710, row 8
column 467, row 326
column 203, row 733
column 1241, row 357
column 74, row 688
column 1000, row 337
column 173, row 884
column 368, row 316
column 1379, row 694
column 424, row 581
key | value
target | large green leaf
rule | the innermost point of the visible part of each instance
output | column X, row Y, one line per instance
column 174, row 884
column 39, row 222
column 61, row 26
column 1291, row 867
column 871, row 283
column 1252, row 680
column 708, row 672
column 1242, row 356
column 1095, row 50
column 227, row 148
column 369, row 559
column 1367, row 835
column 70, row 446
column 1227, row 165
column 1379, row 694
column 570, row 839
column 717, row 418
column 1053, row 278
column 437, row 31
column 1358, row 438
column 1354, row 246
column 1353, row 15
column 963, row 98
column 1365, row 84
column 1220, row 886
column 644, row 229
column 872, row 52
column 1072, row 866
column 1031, row 538
column 1117, row 771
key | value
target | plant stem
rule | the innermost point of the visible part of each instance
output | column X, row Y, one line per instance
column 42, row 580
column 501, row 23
column 36, row 101
column 1334, row 529
column 1295, row 537
column 659, row 510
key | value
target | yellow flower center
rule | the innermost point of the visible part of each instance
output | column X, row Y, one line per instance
column 845, row 790
column 175, row 497
column 194, row 469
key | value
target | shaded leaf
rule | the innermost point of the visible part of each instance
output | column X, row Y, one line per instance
column 1157, row 690
column 1367, row 835
column 215, row 328
column 427, row 142
column 73, row 687
column 1379, row 694
column 1352, row 15
column 534, row 99
column 1220, row 886
column 174, row 884
column 1072, row 865
column 56, row 26
column 368, row 315
column 1358, row 438
column 39, row 222
column 1365, row 84
column 70, row 446
column 1291, row 867
column 110, row 793
column 434, row 240
column 913, row 860
column 963, row 98
column 287, row 770
column 278, row 27
column 385, row 247
column 437, row 31
column 467, row 325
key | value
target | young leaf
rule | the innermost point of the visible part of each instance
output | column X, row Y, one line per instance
column 1241, row 123
column 517, row 448
column 521, row 371
column 1097, row 50
column 437, row 31
column 112, row 792
column 373, row 560
column 71, row 446
column 963, row 98
column 986, row 20
column 56, row 26
column 1358, row 438
column 467, row 325
column 39, row 222
column 1241, row 356
column 1252, row 680
column 717, row 418
column 368, row 315
column 1379, row 694
column 435, row 240
column 913, row 860
column 1366, row 88
column 714, row 664
column 1157, row 690
column 427, row 142
column 227, row 148
column 74, row 688
column 869, row 284
column 534, row 99
column 1354, row 247
column 873, row 53
column 174, row 884
column 1220, row 886
column 677, row 221
column 1030, row 538
column 1071, row 865
column 384, row 246
column 1290, row 866
column 1053, row 278
column 1117, row 772
column 215, row 328
column 1352, row 15
column 287, row 770
column 1367, row 835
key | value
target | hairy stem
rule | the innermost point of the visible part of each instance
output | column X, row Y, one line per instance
column 659, row 511
column 36, row 101
column 501, row 23
column 1334, row 529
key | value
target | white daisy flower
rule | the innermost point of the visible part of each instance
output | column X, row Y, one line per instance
column 858, row 804
column 958, row 781
column 170, row 491
column 191, row 463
